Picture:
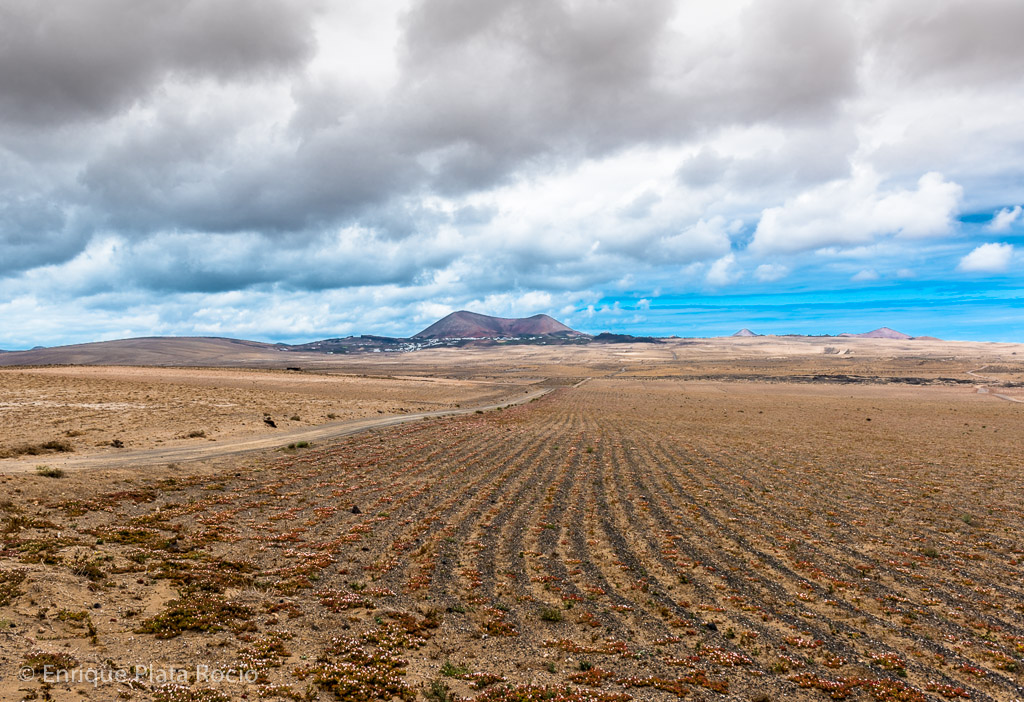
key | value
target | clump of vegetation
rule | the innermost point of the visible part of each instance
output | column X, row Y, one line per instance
column 78, row 620
column 878, row 688
column 353, row 672
column 9, row 582
column 551, row 614
column 41, row 661
column 42, row 550
column 496, row 624
column 536, row 693
column 450, row 670
column 180, row 693
column 338, row 601
column 368, row 667
column 263, row 653
column 297, row 445
column 50, row 472
column 195, row 612
column 54, row 446
column 73, row 617
column 438, row 691
column 197, row 434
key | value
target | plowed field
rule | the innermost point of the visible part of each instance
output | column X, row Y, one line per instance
column 657, row 539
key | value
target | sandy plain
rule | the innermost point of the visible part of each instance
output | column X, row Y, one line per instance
column 87, row 409
column 719, row 519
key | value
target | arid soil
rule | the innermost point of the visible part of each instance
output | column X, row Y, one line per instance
column 673, row 527
column 87, row 409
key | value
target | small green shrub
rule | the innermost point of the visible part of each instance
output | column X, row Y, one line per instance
column 438, row 691
column 551, row 614
column 450, row 670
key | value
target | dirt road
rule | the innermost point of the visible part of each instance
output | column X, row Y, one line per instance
column 234, row 447
column 985, row 389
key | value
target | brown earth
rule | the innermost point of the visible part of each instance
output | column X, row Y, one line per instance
column 685, row 524
column 89, row 408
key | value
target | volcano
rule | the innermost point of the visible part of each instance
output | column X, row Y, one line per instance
column 470, row 325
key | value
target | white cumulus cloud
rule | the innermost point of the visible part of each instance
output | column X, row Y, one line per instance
column 723, row 271
column 856, row 211
column 987, row 258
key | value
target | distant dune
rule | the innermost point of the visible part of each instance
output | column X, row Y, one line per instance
column 470, row 325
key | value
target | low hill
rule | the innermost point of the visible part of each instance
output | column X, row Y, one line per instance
column 745, row 332
column 471, row 325
column 880, row 333
column 150, row 351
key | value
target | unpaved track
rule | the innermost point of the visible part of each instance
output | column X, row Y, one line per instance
column 235, row 447
column 987, row 390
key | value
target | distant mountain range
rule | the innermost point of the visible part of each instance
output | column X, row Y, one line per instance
column 880, row 333
column 458, row 329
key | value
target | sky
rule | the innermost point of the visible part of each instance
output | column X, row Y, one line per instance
column 290, row 170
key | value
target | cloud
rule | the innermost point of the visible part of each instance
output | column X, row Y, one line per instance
column 987, row 258
column 640, row 206
column 449, row 152
column 1006, row 218
column 704, row 168
column 857, row 211
column 977, row 41
column 770, row 272
column 86, row 60
column 866, row 275
column 723, row 271
column 220, row 117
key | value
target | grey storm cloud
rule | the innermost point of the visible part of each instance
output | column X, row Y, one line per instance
column 977, row 41
column 72, row 60
column 500, row 85
column 487, row 91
